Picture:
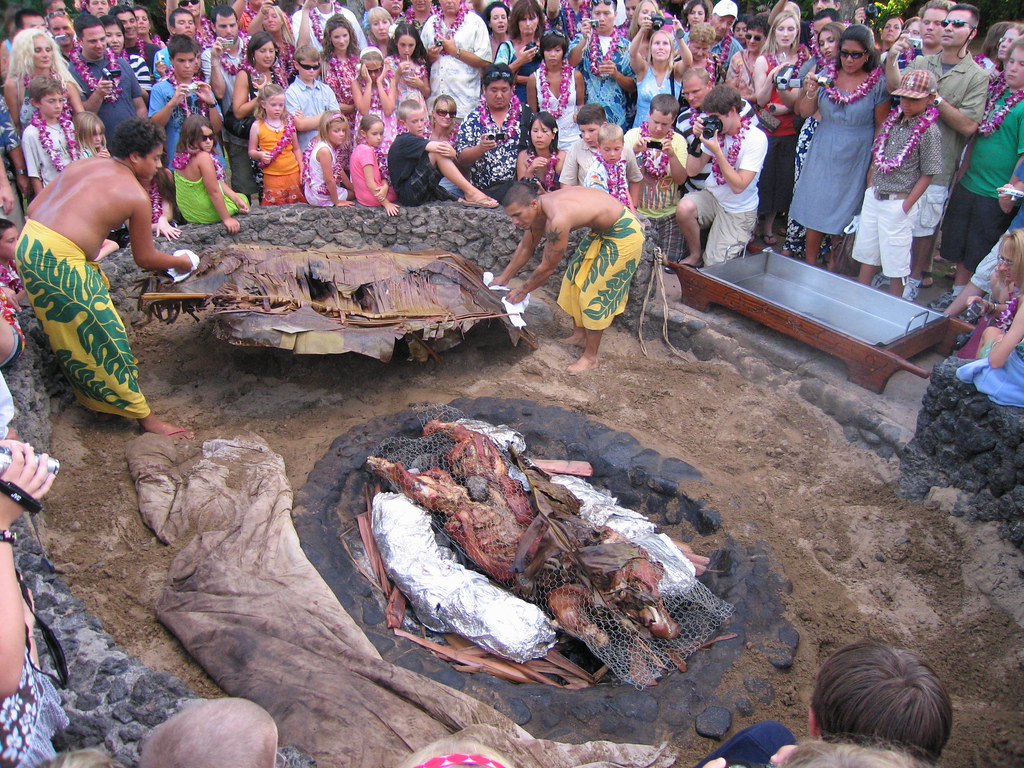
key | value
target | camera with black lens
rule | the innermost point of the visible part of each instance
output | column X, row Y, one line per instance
column 712, row 125
column 871, row 11
column 787, row 79
column 657, row 22
column 110, row 74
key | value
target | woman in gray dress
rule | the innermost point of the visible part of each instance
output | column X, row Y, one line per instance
column 832, row 182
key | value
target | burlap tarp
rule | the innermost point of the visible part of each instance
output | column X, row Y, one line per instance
column 251, row 609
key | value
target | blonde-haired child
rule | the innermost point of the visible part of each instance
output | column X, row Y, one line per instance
column 274, row 147
column 369, row 167
column 325, row 167
column 199, row 190
column 373, row 92
column 91, row 135
column 609, row 169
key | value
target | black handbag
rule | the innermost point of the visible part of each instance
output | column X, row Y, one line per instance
column 238, row 127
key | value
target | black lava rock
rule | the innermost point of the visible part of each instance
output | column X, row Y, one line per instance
column 713, row 722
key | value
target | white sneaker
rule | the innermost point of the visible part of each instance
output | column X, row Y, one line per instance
column 911, row 288
column 880, row 281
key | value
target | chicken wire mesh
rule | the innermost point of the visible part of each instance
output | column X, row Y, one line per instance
column 597, row 585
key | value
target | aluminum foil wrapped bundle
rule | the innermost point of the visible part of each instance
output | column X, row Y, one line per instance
column 599, row 508
column 446, row 596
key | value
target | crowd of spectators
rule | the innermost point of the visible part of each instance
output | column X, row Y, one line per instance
column 816, row 101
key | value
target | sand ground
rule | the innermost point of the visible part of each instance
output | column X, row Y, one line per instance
column 862, row 560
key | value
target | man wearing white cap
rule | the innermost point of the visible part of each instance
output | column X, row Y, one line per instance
column 723, row 16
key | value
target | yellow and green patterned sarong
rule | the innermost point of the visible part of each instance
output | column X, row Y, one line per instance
column 71, row 298
column 596, row 282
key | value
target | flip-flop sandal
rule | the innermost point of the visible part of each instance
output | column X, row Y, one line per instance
column 769, row 239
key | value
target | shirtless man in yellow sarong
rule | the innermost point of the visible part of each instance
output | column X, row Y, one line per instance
column 596, row 282
column 66, row 225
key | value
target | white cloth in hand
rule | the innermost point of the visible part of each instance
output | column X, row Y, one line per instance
column 179, row 276
column 515, row 311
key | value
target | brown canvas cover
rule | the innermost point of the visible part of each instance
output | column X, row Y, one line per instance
column 251, row 609
column 334, row 301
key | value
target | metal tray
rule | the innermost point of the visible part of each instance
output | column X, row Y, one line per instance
column 837, row 302
column 874, row 333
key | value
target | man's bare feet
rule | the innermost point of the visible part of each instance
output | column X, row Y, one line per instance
column 158, row 426
column 583, row 365
column 578, row 339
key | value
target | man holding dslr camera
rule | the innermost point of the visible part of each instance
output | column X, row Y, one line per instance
column 735, row 148
column 109, row 87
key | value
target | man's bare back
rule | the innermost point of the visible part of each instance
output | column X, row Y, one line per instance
column 88, row 200
column 576, row 207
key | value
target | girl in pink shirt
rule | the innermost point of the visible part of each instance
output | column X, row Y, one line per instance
column 368, row 167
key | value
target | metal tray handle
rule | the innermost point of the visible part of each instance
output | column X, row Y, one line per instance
column 910, row 322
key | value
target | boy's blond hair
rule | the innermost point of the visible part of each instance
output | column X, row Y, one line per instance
column 610, row 132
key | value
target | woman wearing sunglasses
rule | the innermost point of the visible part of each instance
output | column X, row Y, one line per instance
column 741, row 68
column 853, row 104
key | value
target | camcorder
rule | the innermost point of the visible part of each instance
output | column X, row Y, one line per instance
column 787, row 79
column 657, row 22
column 1016, row 194
column 498, row 137
column 110, row 74
column 52, row 464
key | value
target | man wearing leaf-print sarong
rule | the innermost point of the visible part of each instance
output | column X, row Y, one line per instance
column 596, row 282
column 66, row 224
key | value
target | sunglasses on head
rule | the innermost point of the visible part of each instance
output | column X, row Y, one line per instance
column 446, row 112
column 956, row 23
column 853, row 54
column 308, row 66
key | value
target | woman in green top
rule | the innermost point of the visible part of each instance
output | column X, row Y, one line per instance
column 198, row 178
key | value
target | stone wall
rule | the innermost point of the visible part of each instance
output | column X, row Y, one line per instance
column 965, row 441
column 486, row 237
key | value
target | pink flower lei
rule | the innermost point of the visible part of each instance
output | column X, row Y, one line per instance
column 922, row 123
column 1006, row 316
column 64, row 90
column 232, row 69
column 339, row 75
column 439, row 22
column 283, row 142
column 206, row 35
column 382, row 163
column 182, row 159
column 862, row 90
column 68, row 129
column 91, row 82
column 655, row 162
column 316, row 23
column 594, row 50
column 545, row 96
column 734, row 151
column 156, row 202
column 572, row 18
column 185, row 106
column 994, row 115
column 617, row 186
column 511, row 123
column 548, row 182
column 410, row 13
column 996, row 85
column 802, row 56
column 339, row 159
